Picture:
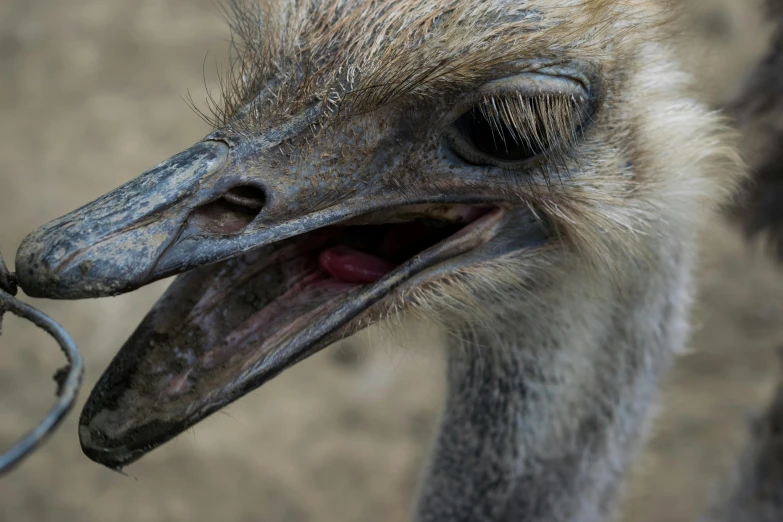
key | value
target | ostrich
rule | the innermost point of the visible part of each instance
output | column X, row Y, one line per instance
column 530, row 175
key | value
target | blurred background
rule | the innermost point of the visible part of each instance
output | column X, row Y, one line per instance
column 90, row 96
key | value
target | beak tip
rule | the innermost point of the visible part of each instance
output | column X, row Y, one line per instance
column 43, row 272
column 113, row 435
column 112, row 245
column 36, row 277
column 114, row 458
column 92, row 449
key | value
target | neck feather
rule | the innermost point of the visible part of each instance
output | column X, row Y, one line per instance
column 543, row 417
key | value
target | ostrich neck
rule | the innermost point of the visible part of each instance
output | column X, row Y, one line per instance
column 543, row 417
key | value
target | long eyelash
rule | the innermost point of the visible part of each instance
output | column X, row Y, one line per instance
column 549, row 121
column 553, row 122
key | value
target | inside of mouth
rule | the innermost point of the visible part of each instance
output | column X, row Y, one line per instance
column 268, row 294
column 363, row 254
column 281, row 288
column 251, row 299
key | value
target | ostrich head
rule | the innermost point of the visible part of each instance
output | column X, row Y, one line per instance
column 450, row 158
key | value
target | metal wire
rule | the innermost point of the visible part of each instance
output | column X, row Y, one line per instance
column 7, row 279
column 68, row 378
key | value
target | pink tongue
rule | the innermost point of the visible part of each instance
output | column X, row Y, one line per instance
column 352, row 266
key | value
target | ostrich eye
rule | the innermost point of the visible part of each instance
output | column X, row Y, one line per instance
column 512, row 129
column 498, row 139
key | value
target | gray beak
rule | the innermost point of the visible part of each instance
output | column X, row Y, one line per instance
column 273, row 275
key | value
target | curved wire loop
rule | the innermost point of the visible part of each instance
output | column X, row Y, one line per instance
column 68, row 378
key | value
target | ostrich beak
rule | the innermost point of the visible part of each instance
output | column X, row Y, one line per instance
column 273, row 275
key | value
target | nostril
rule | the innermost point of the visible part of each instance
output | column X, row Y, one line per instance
column 230, row 213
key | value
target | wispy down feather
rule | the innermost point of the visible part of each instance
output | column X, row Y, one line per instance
column 354, row 55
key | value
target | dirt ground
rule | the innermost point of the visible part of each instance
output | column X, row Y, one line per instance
column 90, row 97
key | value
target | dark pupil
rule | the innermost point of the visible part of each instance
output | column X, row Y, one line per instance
column 497, row 140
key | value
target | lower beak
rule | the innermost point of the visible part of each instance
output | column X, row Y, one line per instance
column 263, row 289
column 223, row 330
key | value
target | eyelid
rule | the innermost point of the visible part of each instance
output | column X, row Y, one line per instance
column 535, row 83
column 527, row 84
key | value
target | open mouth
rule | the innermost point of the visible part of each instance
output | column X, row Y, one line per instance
column 267, row 278
column 224, row 329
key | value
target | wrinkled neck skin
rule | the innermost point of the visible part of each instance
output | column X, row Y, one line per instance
column 544, row 415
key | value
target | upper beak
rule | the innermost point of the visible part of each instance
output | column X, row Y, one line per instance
column 196, row 208
column 119, row 242
column 263, row 304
